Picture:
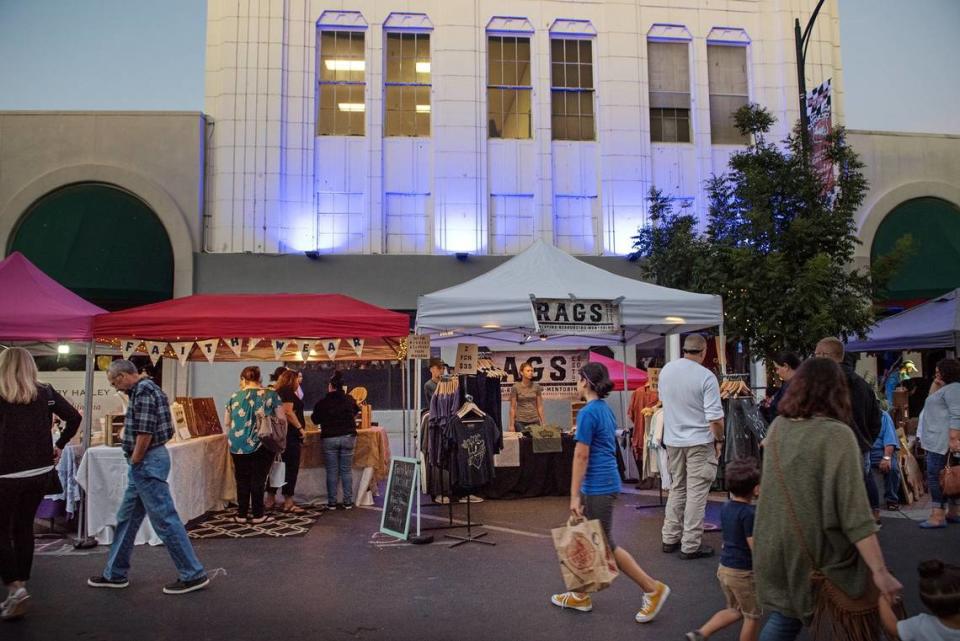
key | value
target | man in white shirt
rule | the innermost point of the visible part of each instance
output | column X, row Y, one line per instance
column 693, row 425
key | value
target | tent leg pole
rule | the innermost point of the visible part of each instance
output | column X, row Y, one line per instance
column 83, row 541
column 626, row 387
column 403, row 387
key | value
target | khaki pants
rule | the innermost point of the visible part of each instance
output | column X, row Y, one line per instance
column 693, row 470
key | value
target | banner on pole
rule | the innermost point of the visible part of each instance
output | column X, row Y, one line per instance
column 820, row 119
column 252, row 343
column 561, row 316
column 304, row 347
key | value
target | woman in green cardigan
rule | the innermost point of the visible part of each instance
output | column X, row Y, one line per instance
column 821, row 520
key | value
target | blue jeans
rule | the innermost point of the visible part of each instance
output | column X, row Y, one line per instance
column 935, row 463
column 149, row 495
column 781, row 628
column 890, row 482
column 338, row 459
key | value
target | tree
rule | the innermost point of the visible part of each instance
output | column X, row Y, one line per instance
column 777, row 247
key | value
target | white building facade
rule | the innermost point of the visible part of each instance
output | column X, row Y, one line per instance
column 454, row 126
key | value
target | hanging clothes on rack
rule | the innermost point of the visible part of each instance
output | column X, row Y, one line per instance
column 443, row 405
column 484, row 387
column 641, row 399
column 472, row 439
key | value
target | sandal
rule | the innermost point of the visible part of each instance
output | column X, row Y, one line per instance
column 261, row 520
column 294, row 509
column 240, row 520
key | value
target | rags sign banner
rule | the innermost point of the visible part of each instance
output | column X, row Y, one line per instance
column 564, row 316
column 557, row 372
column 820, row 119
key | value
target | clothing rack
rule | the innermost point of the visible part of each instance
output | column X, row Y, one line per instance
column 470, row 536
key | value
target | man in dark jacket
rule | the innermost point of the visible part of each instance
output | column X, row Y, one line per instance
column 863, row 402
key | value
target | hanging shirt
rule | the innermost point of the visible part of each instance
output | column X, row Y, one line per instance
column 472, row 443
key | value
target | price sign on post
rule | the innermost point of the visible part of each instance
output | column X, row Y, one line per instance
column 653, row 377
column 467, row 356
column 418, row 346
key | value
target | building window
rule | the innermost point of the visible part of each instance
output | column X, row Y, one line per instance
column 669, row 68
column 571, row 89
column 509, row 87
column 408, row 84
column 728, row 91
column 342, row 104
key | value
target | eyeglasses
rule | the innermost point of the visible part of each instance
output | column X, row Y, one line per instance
column 692, row 351
column 822, row 355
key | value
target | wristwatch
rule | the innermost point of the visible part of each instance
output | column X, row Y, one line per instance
column 886, row 458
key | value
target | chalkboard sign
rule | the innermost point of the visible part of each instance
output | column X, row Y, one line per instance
column 401, row 489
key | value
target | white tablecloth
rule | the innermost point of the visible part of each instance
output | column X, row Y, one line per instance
column 201, row 479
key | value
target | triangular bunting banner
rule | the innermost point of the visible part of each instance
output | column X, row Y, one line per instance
column 209, row 348
column 235, row 345
column 305, row 347
column 182, row 350
column 357, row 344
column 155, row 350
column 252, row 343
column 128, row 346
column 330, row 346
column 280, row 346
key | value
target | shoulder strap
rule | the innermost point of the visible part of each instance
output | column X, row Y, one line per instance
column 791, row 510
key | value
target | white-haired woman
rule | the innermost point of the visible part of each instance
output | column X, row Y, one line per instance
column 27, row 455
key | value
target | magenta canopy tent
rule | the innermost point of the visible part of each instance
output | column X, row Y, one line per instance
column 37, row 308
column 636, row 377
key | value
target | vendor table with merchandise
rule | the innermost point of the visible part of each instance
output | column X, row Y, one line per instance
column 371, row 460
column 201, row 479
column 523, row 473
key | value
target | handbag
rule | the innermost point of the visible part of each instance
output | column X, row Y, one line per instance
column 272, row 431
column 586, row 560
column 836, row 615
column 278, row 473
column 950, row 478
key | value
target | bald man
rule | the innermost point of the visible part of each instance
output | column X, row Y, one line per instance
column 692, row 427
column 863, row 402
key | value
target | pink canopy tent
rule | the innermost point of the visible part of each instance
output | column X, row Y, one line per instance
column 38, row 308
column 636, row 377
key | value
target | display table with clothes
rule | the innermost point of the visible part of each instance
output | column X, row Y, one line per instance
column 371, row 463
column 67, row 502
column 545, row 474
column 201, row 479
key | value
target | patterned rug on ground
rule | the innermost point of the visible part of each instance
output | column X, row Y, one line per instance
column 220, row 525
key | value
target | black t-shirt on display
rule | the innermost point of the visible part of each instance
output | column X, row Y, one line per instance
column 472, row 444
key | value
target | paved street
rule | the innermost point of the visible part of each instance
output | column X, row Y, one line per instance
column 343, row 581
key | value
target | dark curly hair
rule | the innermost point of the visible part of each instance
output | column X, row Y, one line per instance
column 741, row 476
column 597, row 377
column 949, row 370
column 819, row 388
column 940, row 587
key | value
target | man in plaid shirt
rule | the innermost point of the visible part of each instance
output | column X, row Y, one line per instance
column 146, row 430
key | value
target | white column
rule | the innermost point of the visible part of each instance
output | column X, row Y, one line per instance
column 673, row 348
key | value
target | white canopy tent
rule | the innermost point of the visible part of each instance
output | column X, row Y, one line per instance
column 496, row 308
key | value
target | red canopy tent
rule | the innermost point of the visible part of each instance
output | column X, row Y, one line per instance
column 37, row 308
column 635, row 377
column 267, row 316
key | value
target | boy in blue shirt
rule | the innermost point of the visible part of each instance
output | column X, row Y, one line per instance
column 736, row 559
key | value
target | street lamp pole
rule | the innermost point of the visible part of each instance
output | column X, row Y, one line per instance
column 802, row 41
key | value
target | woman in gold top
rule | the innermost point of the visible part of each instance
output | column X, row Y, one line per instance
column 526, row 401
